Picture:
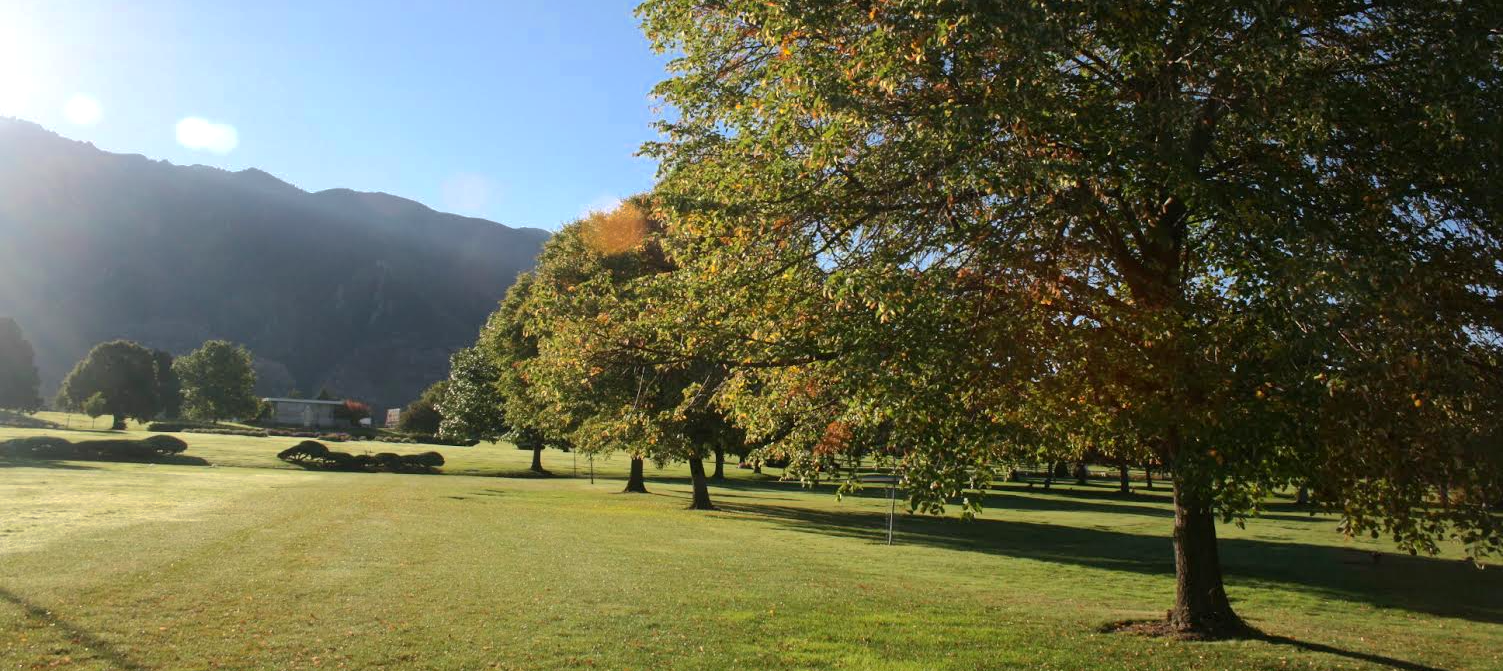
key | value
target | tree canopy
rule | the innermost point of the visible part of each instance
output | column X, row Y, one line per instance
column 594, row 306
column 123, row 374
column 421, row 415
column 218, row 382
column 1259, row 245
column 20, row 386
column 470, row 407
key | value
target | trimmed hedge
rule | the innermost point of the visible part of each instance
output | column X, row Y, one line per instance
column 315, row 455
column 52, row 447
column 198, row 427
column 230, row 432
column 454, row 442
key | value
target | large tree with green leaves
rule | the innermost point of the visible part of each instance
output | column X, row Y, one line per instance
column 20, row 386
column 471, row 408
column 509, row 345
column 123, row 374
column 218, row 381
column 594, row 305
column 1258, row 244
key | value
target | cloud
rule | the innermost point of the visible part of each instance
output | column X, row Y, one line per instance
column 467, row 193
column 82, row 110
column 202, row 134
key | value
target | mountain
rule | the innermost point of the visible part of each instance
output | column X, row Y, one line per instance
column 364, row 293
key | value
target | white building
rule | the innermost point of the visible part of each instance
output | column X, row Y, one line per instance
column 307, row 412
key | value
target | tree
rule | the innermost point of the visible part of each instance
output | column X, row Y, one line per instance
column 471, row 407
column 95, row 407
column 20, row 385
column 352, row 411
column 594, row 306
column 169, row 388
column 422, row 416
column 1258, row 244
column 324, row 394
column 507, row 343
column 218, row 382
column 124, row 374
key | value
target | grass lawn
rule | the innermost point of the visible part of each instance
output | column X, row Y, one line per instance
column 251, row 564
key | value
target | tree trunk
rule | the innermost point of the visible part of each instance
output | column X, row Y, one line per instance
column 701, row 487
column 1200, row 604
column 118, row 423
column 1148, row 476
column 1049, row 477
column 1126, row 481
column 636, row 484
column 1302, row 497
column 719, row 475
column 757, row 467
column 537, row 460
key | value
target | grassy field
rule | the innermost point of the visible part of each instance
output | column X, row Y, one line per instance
column 250, row 564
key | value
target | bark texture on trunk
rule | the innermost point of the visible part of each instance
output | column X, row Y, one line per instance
column 537, row 460
column 719, row 464
column 1200, row 604
column 1126, row 481
column 701, row 486
column 636, row 484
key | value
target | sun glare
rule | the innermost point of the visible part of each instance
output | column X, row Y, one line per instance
column 18, row 78
column 83, row 110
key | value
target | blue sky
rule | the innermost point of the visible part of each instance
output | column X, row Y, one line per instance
column 525, row 112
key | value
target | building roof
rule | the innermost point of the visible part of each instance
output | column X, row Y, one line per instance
column 309, row 401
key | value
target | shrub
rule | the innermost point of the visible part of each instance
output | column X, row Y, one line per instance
column 165, row 444
column 315, row 455
column 254, row 433
column 453, row 442
column 155, row 448
column 38, row 447
column 305, row 452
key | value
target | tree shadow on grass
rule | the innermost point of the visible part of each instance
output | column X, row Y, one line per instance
column 89, row 642
column 1349, row 654
column 1444, row 588
column 35, row 463
column 71, row 462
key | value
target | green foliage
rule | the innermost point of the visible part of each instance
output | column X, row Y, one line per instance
column 95, row 406
column 470, row 406
column 218, row 382
column 1257, row 244
column 169, row 387
column 311, row 454
column 52, row 448
column 508, row 344
column 123, row 374
column 422, row 416
column 19, row 383
column 600, row 378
